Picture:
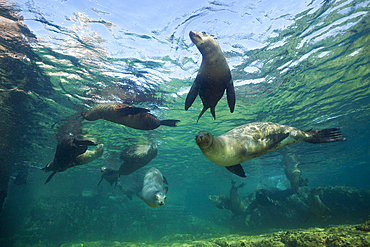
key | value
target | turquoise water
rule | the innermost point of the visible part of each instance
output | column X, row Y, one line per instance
column 299, row 63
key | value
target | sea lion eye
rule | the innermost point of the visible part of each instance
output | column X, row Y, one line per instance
column 204, row 33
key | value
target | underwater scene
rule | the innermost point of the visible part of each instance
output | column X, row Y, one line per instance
column 184, row 123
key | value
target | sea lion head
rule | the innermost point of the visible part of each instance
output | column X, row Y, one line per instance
column 204, row 139
column 215, row 200
column 204, row 42
column 316, row 191
column 160, row 198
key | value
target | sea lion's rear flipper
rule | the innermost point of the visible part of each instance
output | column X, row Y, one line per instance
column 165, row 180
column 237, row 169
column 274, row 139
column 201, row 113
column 50, row 177
column 193, row 93
column 324, row 135
column 170, row 122
column 230, row 92
column 132, row 110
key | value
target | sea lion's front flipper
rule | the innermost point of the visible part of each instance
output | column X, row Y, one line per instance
column 165, row 189
column 193, row 93
column 132, row 110
column 237, row 169
column 165, row 180
column 50, row 177
column 230, row 92
column 274, row 139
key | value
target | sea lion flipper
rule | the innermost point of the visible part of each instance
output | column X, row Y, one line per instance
column 201, row 113
column 170, row 122
column 230, row 92
column 193, row 93
column 132, row 110
column 324, row 135
column 50, row 177
column 237, row 169
column 273, row 139
column 165, row 189
column 165, row 180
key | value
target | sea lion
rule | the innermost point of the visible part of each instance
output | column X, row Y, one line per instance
column 252, row 140
column 317, row 207
column 136, row 156
column 71, row 152
column 153, row 192
column 237, row 205
column 269, row 197
column 220, row 201
column 292, row 171
column 109, row 174
column 213, row 77
column 128, row 115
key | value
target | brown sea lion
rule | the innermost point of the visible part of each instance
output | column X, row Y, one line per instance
column 237, row 204
column 292, row 171
column 252, row 140
column 70, row 152
column 213, row 77
column 128, row 115
column 136, row 156
column 317, row 207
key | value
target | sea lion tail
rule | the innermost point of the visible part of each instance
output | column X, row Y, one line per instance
column 324, row 135
column 170, row 122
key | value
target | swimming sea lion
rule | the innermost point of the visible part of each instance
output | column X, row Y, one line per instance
column 136, row 156
column 213, row 77
column 317, row 207
column 71, row 152
column 292, row 171
column 237, row 205
column 153, row 192
column 109, row 174
column 128, row 115
column 252, row 140
column 269, row 197
column 220, row 201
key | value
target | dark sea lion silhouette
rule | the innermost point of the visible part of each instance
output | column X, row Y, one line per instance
column 213, row 77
